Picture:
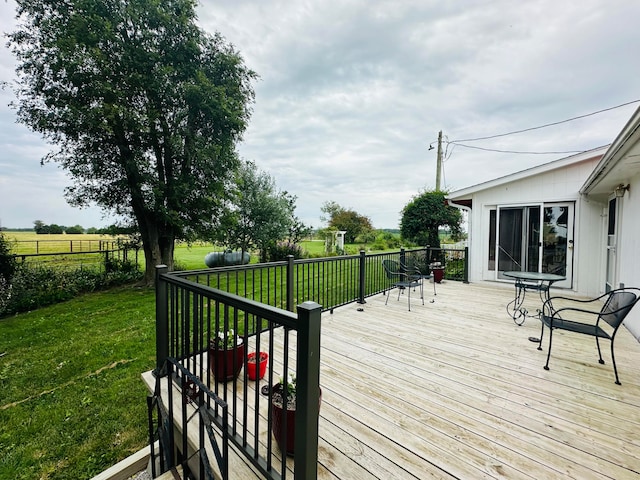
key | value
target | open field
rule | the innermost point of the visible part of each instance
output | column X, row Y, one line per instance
column 29, row 243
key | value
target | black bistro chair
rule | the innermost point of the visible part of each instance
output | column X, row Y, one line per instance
column 583, row 316
column 402, row 280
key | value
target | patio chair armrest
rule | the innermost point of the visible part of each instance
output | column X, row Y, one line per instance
column 558, row 315
column 549, row 309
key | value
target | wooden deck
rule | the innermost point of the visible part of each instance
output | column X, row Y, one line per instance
column 454, row 389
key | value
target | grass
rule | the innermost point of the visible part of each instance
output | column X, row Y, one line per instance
column 66, row 372
column 71, row 399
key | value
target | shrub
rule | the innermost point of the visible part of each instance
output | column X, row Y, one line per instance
column 8, row 262
column 35, row 285
column 281, row 250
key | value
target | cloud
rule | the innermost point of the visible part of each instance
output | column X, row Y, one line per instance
column 351, row 93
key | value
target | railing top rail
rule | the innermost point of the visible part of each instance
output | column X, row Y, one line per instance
column 196, row 380
column 229, row 268
column 327, row 259
column 286, row 318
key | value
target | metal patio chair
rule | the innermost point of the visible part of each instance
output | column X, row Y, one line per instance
column 605, row 322
column 402, row 280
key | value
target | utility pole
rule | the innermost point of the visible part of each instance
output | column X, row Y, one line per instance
column 439, row 161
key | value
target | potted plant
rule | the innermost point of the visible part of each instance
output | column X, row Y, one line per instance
column 226, row 356
column 285, row 394
column 438, row 271
column 257, row 365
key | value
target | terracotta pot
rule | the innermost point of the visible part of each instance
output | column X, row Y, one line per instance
column 225, row 365
column 277, row 426
column 256, row 373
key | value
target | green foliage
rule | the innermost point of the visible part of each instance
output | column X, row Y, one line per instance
column 75, row 230
column 346, row 220
column 36, row 285
column 8, row 263
column 424, row 214
column 8, row 266
column 281, row 250
column 258, row 215
column 144, row 108
column 385, row 240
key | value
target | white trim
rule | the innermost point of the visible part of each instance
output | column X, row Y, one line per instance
column 128, row 467
column 547, row 167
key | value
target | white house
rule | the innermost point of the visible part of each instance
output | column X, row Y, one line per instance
column 578, row 216
column 535, row 220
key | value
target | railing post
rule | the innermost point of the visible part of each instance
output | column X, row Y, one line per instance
column 307, row 391
column 402, row 259
column 465, row 278
column 363, row 272
column 290, row 289
column 162, row 321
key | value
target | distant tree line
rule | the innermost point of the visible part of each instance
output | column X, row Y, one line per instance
column 42, row 228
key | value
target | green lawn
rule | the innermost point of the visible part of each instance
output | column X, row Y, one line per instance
column 72, row 402
column 71, row 399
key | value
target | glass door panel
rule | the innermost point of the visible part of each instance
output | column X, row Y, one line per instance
column 518, row 243
column 555, row 240
column 509, row 246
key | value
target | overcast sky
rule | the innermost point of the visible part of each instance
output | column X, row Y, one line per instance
column 352, row 93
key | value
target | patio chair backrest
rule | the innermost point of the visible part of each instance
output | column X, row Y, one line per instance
column 617, row 306
column 391, row 269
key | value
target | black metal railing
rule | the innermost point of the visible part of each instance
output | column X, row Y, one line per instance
column 191, row 317
column 191, row 410
column 330, row 282
column 251, row 306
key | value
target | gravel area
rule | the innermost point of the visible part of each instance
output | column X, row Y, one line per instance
column 143, row 475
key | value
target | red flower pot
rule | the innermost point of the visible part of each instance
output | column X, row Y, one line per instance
column 278, row 412
column 256, row 370
column 226, row 364
column 438, row 274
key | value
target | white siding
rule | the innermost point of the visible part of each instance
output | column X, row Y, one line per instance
column 559, row 185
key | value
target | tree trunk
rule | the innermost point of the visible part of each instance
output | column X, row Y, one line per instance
column 158, row 249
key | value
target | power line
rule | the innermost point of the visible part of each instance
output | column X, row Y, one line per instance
column 539, row 127
column 516, row 152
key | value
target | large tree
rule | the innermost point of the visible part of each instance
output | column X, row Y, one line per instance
column 425, row 214
column 145, row 110
column 346, row 220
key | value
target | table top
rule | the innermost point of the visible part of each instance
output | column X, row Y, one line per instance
column 535, row 276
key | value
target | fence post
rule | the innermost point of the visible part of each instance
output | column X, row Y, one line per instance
column 465, row 278
column 290, row 267
column 162, row 321
column 402, row 259
column 307, row 391
column 363, row 273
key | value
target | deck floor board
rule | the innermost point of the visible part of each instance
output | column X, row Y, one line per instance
column 454, row 389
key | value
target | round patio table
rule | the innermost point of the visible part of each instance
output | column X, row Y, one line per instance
column 524, row 281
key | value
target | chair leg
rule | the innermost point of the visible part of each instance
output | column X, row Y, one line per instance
column 546, row 367
column 409, row 298
column 600, row 360
column 541, row 336
column 613, row 360
column 387, row 294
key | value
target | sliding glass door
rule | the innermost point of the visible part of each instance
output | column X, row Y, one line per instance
column 534, row 238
